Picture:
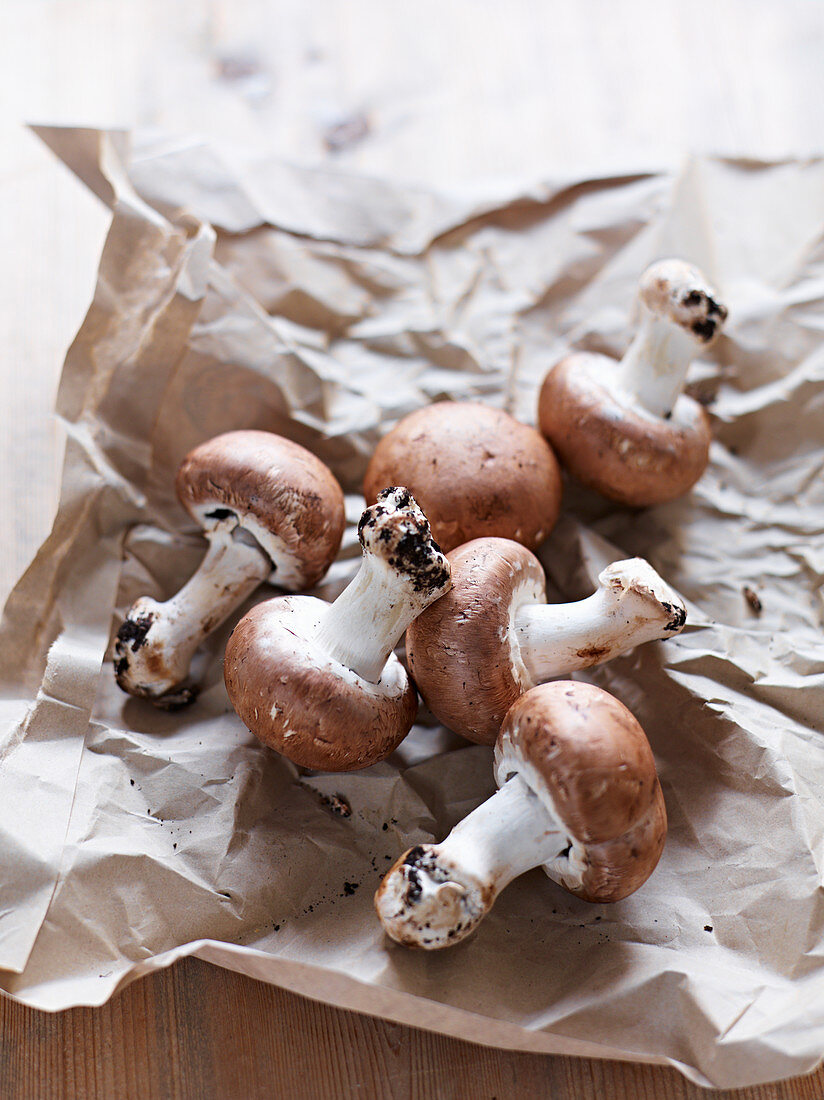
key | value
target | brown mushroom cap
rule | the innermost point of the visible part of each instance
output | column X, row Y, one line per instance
column 474, row 470
column 302, row 703
column 617, row 868
column 589, row 761
column 287, row 498
column 611, row 445
column 459, row 650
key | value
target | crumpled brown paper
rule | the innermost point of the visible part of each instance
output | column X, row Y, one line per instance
column 250, row 293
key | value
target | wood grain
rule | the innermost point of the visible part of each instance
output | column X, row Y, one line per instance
column 197, row 1033
column 443, row 92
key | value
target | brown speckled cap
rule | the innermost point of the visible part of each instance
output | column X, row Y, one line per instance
column 609, row 445
column 587, row 758
column 459, row 650
column 302, row 703
column 287, row 498
column 474, row 470
column 618, row 867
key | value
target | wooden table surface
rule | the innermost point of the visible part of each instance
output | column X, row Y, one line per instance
column 441, row 91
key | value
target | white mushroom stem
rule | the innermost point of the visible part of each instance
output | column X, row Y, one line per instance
column 680, row 315
column 632, row 605
column 439, row 893
column 156, row 643
column 654, row 368
column 369, row 618
column 504, row 837
column 401, row 574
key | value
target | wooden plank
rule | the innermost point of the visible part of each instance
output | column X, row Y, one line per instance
column 198, row 1033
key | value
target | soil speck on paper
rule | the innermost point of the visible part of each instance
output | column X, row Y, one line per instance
column 347, row 132
column 753, row 599
column 337, row 804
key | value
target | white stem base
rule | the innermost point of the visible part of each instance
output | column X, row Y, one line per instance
column 157, row 641
column 439, row 893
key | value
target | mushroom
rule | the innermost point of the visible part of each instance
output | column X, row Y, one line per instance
column 578, row 795
column 319, row 682
column 474, row 470
column 627, row 430
column 270, row 510
column 494, row 636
